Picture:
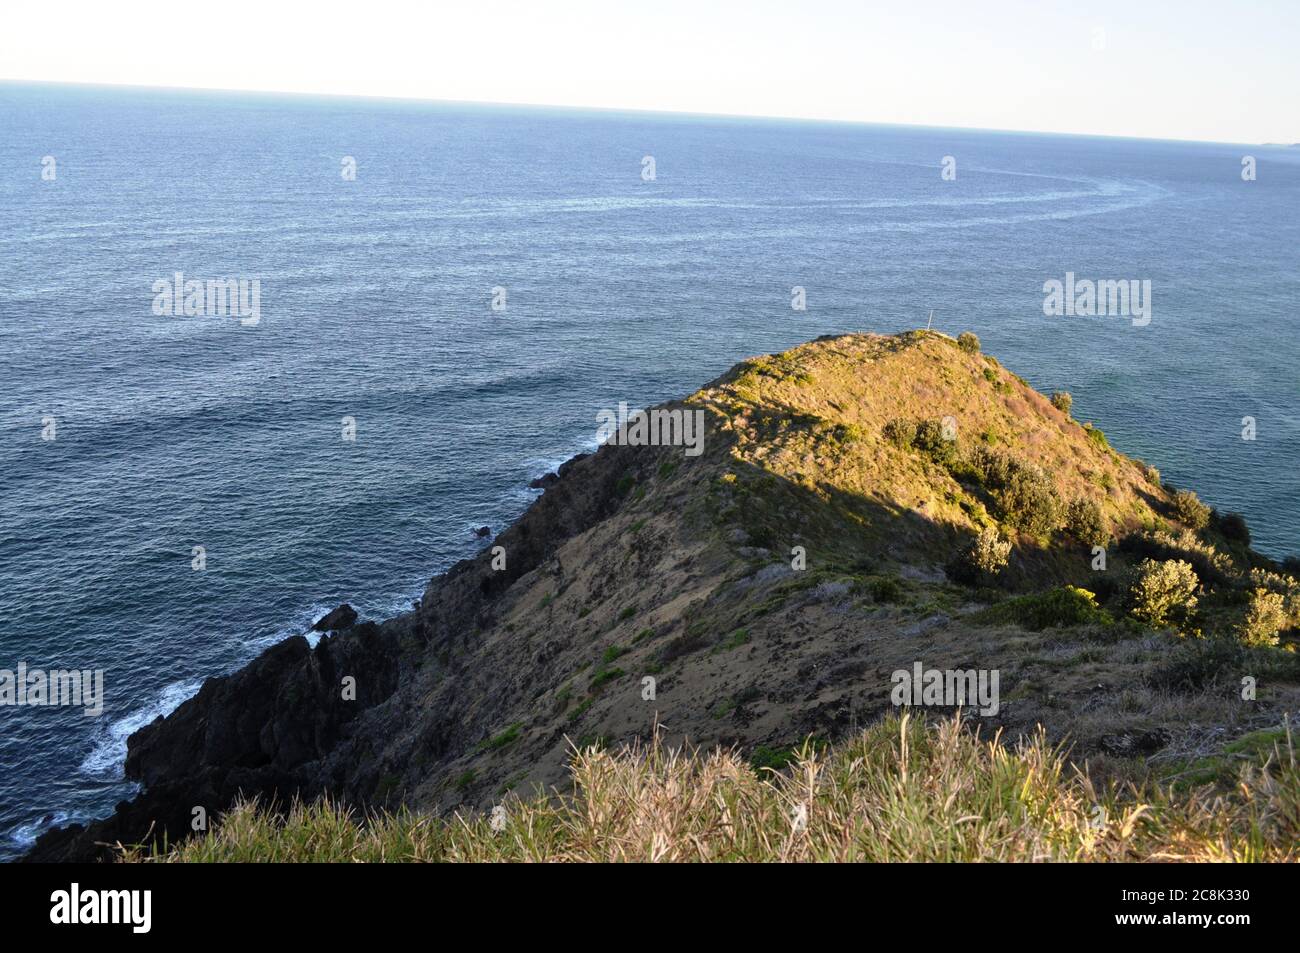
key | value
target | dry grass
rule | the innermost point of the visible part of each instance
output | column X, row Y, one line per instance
column 901, row 791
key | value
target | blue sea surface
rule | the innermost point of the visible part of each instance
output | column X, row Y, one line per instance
column 177, row 432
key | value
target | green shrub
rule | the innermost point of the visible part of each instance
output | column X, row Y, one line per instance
column 1163, row 593
column 736, row 639
column 603, row 677
column 1287, row 587
column 1062, row 401
column 1097, row 436
column 930, row 440
column 1190, row 510
column 765, row 759
column 509, row 736
column 884, row 589
column 1212, row 567
column 846, row 433
column 775, row 759
column 924, row 436
column 1061, row 607
column 900, row 432
column 983, row 560
column 1265, row 618
column 1233, row 527
column 992, row 467
column 1023, row 496
column 1083, row 521
column 968, row 342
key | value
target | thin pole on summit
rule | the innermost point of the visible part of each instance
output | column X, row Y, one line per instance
column 929, row 319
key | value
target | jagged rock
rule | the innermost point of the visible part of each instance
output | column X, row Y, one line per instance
column 568, row 465
column 341, row 618
column 265, row 731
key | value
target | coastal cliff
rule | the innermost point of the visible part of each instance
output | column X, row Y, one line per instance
column 861, row 504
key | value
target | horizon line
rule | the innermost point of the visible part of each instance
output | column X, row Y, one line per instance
column 372, row 97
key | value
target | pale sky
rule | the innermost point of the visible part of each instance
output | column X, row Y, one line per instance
column 1225, row 71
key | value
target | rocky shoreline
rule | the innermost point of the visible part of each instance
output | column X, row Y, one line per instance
column 281, row 727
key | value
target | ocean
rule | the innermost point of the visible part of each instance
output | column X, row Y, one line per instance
column 466, row 286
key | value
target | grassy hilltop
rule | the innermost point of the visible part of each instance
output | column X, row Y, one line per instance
column 863, row 503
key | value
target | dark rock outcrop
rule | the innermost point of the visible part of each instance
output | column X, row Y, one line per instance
column 267, row 731
column 343, row 617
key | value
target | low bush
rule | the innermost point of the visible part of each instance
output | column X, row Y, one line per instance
column 1163, row 593
column 1288, row 587
column 1061, row 607
column 1023, row 495
column 1189, row 509
column 983, row 560
column 1233, row 527
column 1083, row 521
column 900, row 432
column 1097, row 436
column 1212, row 567
column 924, row 436
column 883, row 589
column 1265, row 618
column 931, row 440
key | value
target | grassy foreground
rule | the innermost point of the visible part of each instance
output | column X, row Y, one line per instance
column 903, row 790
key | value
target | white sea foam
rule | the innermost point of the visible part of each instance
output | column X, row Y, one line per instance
column 299, row 623
column 106, row 758
column 24, row 835
column 540, row 466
